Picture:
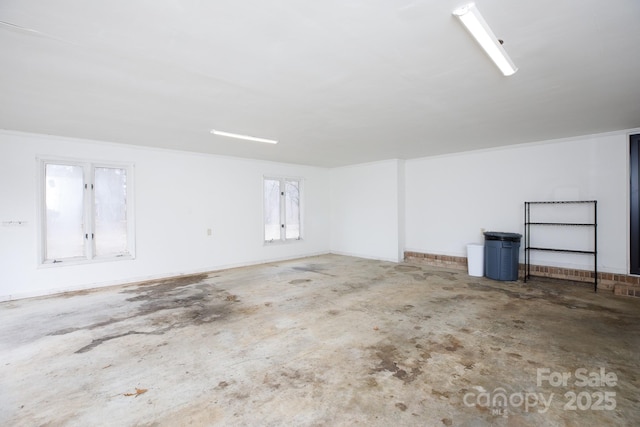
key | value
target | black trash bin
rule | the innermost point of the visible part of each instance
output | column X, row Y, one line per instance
column 501, row 253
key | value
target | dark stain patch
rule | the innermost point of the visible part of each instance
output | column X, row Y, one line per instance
column 270, row 382
column 482, row 408
column 451, row 344
column 96, row 325
column 519, row 321
column 425, row 355
column 454, row 344
column 298, row 281
column 441, row 394
column 407, row 377
column 240, row 396
column 172, row 303
column 468, row 365
column 333, row 312
column 388, row 356
column 202, row 314
column 199, row 308
column 64, row 331
column 223, row 385
column 516, row 355
column 401, row 406
column 294, row 378
column 371, row 382
column 447, row 421
column 314, row 268
column 164, row 286
column 97, row 342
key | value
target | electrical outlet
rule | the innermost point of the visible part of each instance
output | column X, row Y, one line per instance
column 209, row 232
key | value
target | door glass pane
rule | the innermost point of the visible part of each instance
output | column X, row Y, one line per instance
column 292, row 209
column 64, row 191
column 110, row 213
column 634, row 205
column 271, row 210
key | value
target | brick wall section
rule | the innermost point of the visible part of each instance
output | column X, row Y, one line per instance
column 456, row 262
column 627, row 290
column 605, row 280
column 623, row 284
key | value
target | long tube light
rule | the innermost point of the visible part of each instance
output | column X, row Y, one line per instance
column 470, row 16
column 246, row 137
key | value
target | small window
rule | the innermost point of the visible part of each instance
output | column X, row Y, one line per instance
column 282, row 209
column 86, row 212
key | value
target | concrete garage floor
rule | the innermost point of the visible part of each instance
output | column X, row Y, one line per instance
column 327, row 340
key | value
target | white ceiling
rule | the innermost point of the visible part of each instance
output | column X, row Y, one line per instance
column 337, row 82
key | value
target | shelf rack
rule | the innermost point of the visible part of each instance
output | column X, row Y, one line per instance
column 527, row 235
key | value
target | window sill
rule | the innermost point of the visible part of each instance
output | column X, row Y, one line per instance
column 83, row 261
column 281, row 242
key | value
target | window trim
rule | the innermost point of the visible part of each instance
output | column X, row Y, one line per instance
column 283, row 239
column 88, row 170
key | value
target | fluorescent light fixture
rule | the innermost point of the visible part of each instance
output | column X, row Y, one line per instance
column 247, row 137
column 478, row 27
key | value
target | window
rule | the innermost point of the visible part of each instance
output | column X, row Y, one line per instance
column 281, row 209
column 86, row 212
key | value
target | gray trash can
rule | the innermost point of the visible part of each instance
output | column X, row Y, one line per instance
column 501, row 253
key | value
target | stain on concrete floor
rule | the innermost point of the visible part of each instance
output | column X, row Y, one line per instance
column 327, row 340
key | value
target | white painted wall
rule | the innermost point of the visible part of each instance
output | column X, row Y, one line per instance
column 450, row 198
column 366, row 219
column 378, row 210
column 178, row 195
